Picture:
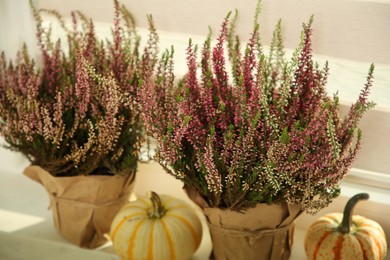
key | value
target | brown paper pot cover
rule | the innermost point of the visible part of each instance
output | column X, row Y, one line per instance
column 263, row 232
column 84, row 206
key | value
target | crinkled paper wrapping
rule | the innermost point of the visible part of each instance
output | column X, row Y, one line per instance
column 262, row 232
column 84, row 206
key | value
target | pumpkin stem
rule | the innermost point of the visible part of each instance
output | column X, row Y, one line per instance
column 345, row 225
column 157, row 210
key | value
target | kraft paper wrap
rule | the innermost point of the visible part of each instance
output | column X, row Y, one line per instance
column 263, row 232
column 84, row 206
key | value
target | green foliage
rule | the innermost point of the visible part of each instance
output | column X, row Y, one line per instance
column 78, row 113
column 267, row 134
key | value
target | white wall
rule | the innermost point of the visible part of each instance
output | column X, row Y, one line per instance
column 349, row 29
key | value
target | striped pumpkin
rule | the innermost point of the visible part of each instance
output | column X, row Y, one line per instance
column 343, row 236
column 161, row 227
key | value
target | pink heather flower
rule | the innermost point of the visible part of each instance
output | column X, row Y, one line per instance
column 268, row 134
column 79, row 112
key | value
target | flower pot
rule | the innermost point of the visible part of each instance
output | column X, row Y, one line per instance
column 84, row 206
column 263, row 232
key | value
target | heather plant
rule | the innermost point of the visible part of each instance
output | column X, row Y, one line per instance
column 77, row 113
column 265, row 131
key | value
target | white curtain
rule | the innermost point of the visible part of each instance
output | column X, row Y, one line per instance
column 16, row 27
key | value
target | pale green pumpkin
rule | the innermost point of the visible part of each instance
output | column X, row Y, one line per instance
column 161, row 227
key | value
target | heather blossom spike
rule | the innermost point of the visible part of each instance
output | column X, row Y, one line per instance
column 266, row 132
column 79, row 112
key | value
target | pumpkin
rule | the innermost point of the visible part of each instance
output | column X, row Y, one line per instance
column 161, row 227
column 343, row 236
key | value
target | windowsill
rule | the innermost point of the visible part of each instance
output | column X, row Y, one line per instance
column 27, row 230
column 19, row 247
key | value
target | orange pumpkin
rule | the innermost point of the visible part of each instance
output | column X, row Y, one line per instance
column 337, row 236
column 161, row 227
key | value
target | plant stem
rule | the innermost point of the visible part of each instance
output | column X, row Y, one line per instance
column 345, row 225
column 157, row 210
